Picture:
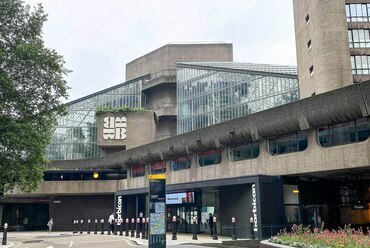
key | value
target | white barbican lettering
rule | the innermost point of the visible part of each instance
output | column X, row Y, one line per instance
column 119, row 210
column 114, row 128
column 254, row 207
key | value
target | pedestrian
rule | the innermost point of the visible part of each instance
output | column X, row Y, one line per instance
column 210, row 223
column 111, row 222
column 50, row 224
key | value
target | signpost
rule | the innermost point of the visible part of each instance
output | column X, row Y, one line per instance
column 157, row 211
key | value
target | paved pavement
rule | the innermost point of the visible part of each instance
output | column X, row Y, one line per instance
column 67, row 239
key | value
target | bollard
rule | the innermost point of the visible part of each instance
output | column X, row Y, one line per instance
column 138, row 228
column 132, row 227
column 109, row 227
column 115, row 227
column 233, row 237
column 215, row 232
column 126, row 227
column 147, row 229
column 143, row 228
column 102, row 226
column 74, row 226
column 251, row 221
column 81, row 222
column 96, row 227
column 174, row 228
column 195, row 231
column 120, row 222
column 88, row 226
column 5, row 236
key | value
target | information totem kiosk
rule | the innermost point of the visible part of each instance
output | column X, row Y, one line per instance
column 157, row 211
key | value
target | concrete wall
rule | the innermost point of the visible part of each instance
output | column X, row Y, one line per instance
column 314, row 159
column 329, row 53
column 65, row 209
column 74, row 187
column 162, row 100
column 167, row 127
column 165, row 58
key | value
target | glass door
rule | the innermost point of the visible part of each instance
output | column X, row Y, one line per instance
column 312, row 215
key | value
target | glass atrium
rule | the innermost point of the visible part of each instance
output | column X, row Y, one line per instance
column 213, row 92
column 75, row 134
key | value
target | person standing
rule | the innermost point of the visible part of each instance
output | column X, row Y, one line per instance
column 111, row 222
column 210, row 223
column 50, row 224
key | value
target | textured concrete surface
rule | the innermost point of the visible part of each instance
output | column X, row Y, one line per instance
column 329, row 53
column 166, row 57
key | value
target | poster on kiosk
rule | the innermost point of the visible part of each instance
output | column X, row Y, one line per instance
column 157, row 211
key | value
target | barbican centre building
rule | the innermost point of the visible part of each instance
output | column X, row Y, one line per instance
column 234, row 139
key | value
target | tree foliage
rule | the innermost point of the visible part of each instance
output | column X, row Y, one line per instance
column 31, row 90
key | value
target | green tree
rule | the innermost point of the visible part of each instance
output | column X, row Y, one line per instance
column 31, row 90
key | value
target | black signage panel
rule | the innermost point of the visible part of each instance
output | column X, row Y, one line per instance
column 157, row 211
column 360, row 207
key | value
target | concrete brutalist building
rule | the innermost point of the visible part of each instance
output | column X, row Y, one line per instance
column 234, row 139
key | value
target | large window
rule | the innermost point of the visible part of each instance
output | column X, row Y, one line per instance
column 359, row 38
column 207, row 96
column 358, row 12
column 289, row 143
column 360, row 64
column 344, row 133
column 138, row 171
column 210, row 157
column 158, row 167
column 181, row 163
column 243, row 152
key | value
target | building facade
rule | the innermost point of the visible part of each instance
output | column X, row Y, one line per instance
column 249, row 140
column 332, row 40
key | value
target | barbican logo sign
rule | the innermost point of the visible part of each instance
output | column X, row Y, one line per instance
column 114, row 128
column 119, row 210
column 254, row 208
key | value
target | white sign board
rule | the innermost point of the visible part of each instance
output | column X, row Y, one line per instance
column 180, row 198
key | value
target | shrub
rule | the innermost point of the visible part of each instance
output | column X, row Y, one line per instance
column 304, row 237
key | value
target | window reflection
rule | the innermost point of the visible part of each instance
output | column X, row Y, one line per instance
column 138, row 171
column 344, row 133
column 158, row 167
column 360, row 64
column 243, row 152
column 181, row 163
column 357, row 12
column 210, row 157
column 289, row 143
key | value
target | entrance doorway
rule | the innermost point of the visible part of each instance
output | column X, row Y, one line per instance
column 184, row 216
column 312, row 215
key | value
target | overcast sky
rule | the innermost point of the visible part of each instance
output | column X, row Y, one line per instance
column 98, row 37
